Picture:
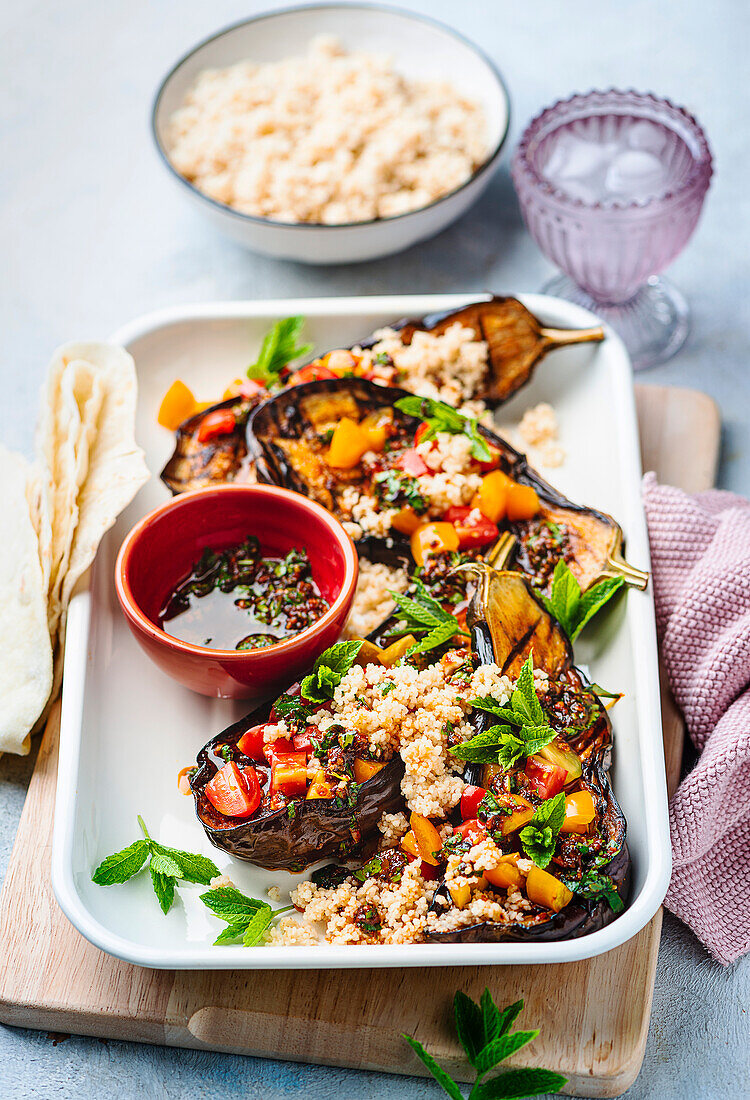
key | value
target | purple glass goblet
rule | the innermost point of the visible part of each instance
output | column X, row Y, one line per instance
column 611, row 186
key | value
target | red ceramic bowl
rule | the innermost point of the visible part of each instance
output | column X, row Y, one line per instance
column 162, row 549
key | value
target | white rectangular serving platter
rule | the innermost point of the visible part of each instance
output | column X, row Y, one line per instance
column 127, row 729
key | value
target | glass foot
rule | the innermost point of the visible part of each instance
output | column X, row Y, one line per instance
column 653, row 325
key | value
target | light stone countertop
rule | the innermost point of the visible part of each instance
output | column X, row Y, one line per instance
column 94, row 233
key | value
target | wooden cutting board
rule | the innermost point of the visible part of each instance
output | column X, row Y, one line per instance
column 594, row 1015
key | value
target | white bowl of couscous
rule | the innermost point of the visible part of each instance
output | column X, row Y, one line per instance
column 334, row 133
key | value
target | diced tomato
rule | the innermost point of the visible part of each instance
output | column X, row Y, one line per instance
column 313, row 372
column 302, row 742
column 478, row 532
column 218, row 422
column 234, row 791
column 411, row 463
column 546, row 779
column 289, row 774
column 494, row 459
column 282, row 746
column 470, row 800
column 428, row 872
column 472, row 830
column 251, row 743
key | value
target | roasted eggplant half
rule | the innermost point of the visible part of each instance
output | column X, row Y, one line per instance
column 516, row 341
column 205, row 456
column 345, row 443
column 304, row 829
column 587, row 879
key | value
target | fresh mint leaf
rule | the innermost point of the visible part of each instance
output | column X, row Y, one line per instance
column 516, row 1084
column 511, row 752
column 443, row 418
column 491, row 706
column 469, row 1025
column 573, row 608
column 539, row 837
column 193, row 868
column 507, row 1017
column 163, row 864
column 232, row 934
column 501, row 1048
column 443, row 1079
column 257, row 926
column 436, row 637
column 163, row 888
column 230, row 905
column 523, row 700
column 483, row 747
column 279, row 348
column 329, row 670
column 121, row 866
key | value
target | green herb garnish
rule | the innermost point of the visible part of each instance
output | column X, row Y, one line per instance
column 166, row 866
column 595, row 884
column 395, row 487
column 246, row 918
column 522, row 733
column 374, row 867
column 423, row 616
column 329, row 670
column 279, row 348
column 484, row 1031
column 573, row 608
column 540, row 835
column 443, row 418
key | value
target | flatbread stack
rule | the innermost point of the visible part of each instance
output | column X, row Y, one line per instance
column 88, row 468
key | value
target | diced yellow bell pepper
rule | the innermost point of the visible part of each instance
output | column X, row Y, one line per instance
column 580, row 811
column 433, row 538
column 506, row 874
column 319, row 787
column 396, row 650
column 368, row 654
column 461, row 895
column 521, row 502
column 521, row 813
column 492, row 495
column 556, row 753
column 546, row 890
column 177, row 405
column 427, row 837
column 377, row 426
column 406, row 521
column 409, row 844
column 348, row 444
column 366, row 769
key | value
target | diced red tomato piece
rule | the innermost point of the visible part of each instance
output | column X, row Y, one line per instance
column 313, row 372
column 472, row 830
column 412, row 463
column 478, row 532
column 218, row 422
column 234, row 791
column 251, row 743
column 545, row 779
column 282, row 746
column 494, row 460
column 302, row 742
column 470, row 800
column 428, row 872
column 421, row 431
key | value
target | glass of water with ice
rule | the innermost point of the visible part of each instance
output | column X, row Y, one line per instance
column 611, row 186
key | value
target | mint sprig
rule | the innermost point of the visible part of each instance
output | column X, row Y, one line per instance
column 444, row 418
column 426, row 618
column 329, row 670
column 539, row 837
column 279, row 348
column 166, row 867
column 572, row 607
column 246, row 918
column 483, row 1031
column 522, row 731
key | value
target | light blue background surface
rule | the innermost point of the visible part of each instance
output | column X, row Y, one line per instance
column 94, row 233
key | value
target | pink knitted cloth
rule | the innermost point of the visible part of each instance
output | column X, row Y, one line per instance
column 700, row 548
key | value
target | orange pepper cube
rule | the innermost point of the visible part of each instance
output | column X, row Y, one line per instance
column 177, row 405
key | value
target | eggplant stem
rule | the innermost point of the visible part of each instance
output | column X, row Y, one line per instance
column 617, row 567
column 561, row 337
column 498, row 554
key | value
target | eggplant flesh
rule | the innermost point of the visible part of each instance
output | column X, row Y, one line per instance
column 196, row 465
column 508, row 624
column 305, row 831
column 286, row 438
column 516, row 341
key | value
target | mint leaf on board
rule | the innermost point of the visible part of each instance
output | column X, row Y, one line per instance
column 573, row 608
column 329, row 670
column 503, row 1021
column 163, row 888
column 469, row 1025
column 539, row 837
column 121, row 866
column 445, row 1081
column 501, row 1048
column 278, row 349
column 517, row 1084
column 444, row 418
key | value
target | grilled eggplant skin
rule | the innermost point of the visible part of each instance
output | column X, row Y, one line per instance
column 307, row 830
column 195, row 465
column 596, row 539
column 528, row 628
